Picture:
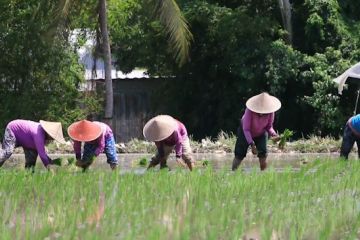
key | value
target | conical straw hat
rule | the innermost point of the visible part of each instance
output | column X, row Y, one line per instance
column 263, row 103
column 159, row 128
column 84, row 131
column 54, row 129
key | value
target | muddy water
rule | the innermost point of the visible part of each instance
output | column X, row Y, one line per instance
column 130, row 162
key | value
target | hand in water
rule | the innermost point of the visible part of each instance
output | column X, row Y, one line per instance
column 181, row 162
column 275, row 138
column 113, row 166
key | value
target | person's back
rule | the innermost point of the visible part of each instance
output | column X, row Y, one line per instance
column 355, row 123
column 255, row 124
column 177, row 137
column 168, row 134
column 32, row 136
column 25, row 131
column 106, row 130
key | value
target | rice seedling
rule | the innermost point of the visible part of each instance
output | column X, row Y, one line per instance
column 143, row 161
column 57, row 161
column 320, row 201
column 284, row 137
column 205, row 163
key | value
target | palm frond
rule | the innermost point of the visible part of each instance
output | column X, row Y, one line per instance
column 63, row 8
column 176, row 26
column 60, row 13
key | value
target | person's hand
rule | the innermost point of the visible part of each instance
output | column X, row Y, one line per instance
column 180, row 162
column 113, row 166
column 275, row 138
column 253, row 149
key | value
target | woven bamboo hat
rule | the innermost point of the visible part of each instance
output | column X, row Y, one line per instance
column 159, row 128
column 84, row 131
column 54, row 129
column 263, row 103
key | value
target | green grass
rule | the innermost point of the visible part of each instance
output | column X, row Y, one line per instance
column 321, row 201
column 225, row 143
column 315, row 144
column 143, row 161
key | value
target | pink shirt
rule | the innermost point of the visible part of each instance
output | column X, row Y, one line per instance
column 255, row 125
column 30, row 135
column 177, row 138
column 100, row 141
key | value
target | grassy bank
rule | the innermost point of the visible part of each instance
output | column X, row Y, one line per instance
column 319, row 202
column 224, row 143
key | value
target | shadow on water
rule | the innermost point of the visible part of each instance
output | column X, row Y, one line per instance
column 130, row 163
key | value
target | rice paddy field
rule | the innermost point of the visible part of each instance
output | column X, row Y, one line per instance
column 321, row 200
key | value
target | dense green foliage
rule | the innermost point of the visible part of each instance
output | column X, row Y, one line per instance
column 240, row 48
column 181, row 205
column 39, row 69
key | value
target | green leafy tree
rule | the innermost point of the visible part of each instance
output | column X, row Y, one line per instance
column 239, row 50
column 226, row 67
column 171, row 19
column 39, row 78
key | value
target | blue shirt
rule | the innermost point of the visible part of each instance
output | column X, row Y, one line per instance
column 355, row 123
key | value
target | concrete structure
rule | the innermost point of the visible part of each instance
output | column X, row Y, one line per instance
column 133, row 105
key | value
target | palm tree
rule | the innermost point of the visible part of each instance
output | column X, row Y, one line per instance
column 176, row 26
column 109, row 98
column 169, row 15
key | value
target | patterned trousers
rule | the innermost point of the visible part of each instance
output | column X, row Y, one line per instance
column 89, row 153
column 8, row 146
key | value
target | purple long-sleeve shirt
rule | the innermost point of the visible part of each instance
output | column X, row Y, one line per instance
column 254, row 125
column 177, row 138
column 30, row 135
column 100, row 141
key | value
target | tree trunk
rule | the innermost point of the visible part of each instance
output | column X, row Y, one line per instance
column 109, row 99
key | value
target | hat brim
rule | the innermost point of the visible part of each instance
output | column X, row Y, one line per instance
column 159, row 128
column 272, row 105
column 77, row 133
column 48, row 128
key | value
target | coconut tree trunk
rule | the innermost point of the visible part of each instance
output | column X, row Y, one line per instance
column 109, row 98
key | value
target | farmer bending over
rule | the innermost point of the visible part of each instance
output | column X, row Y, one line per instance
column 33, row 137
column 351, row 135
column 98, row 138
column 168, row 134
column 255, row 125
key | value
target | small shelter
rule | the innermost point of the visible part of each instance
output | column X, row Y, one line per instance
column 95, row 67
column 350, row 75
column 132, row 91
